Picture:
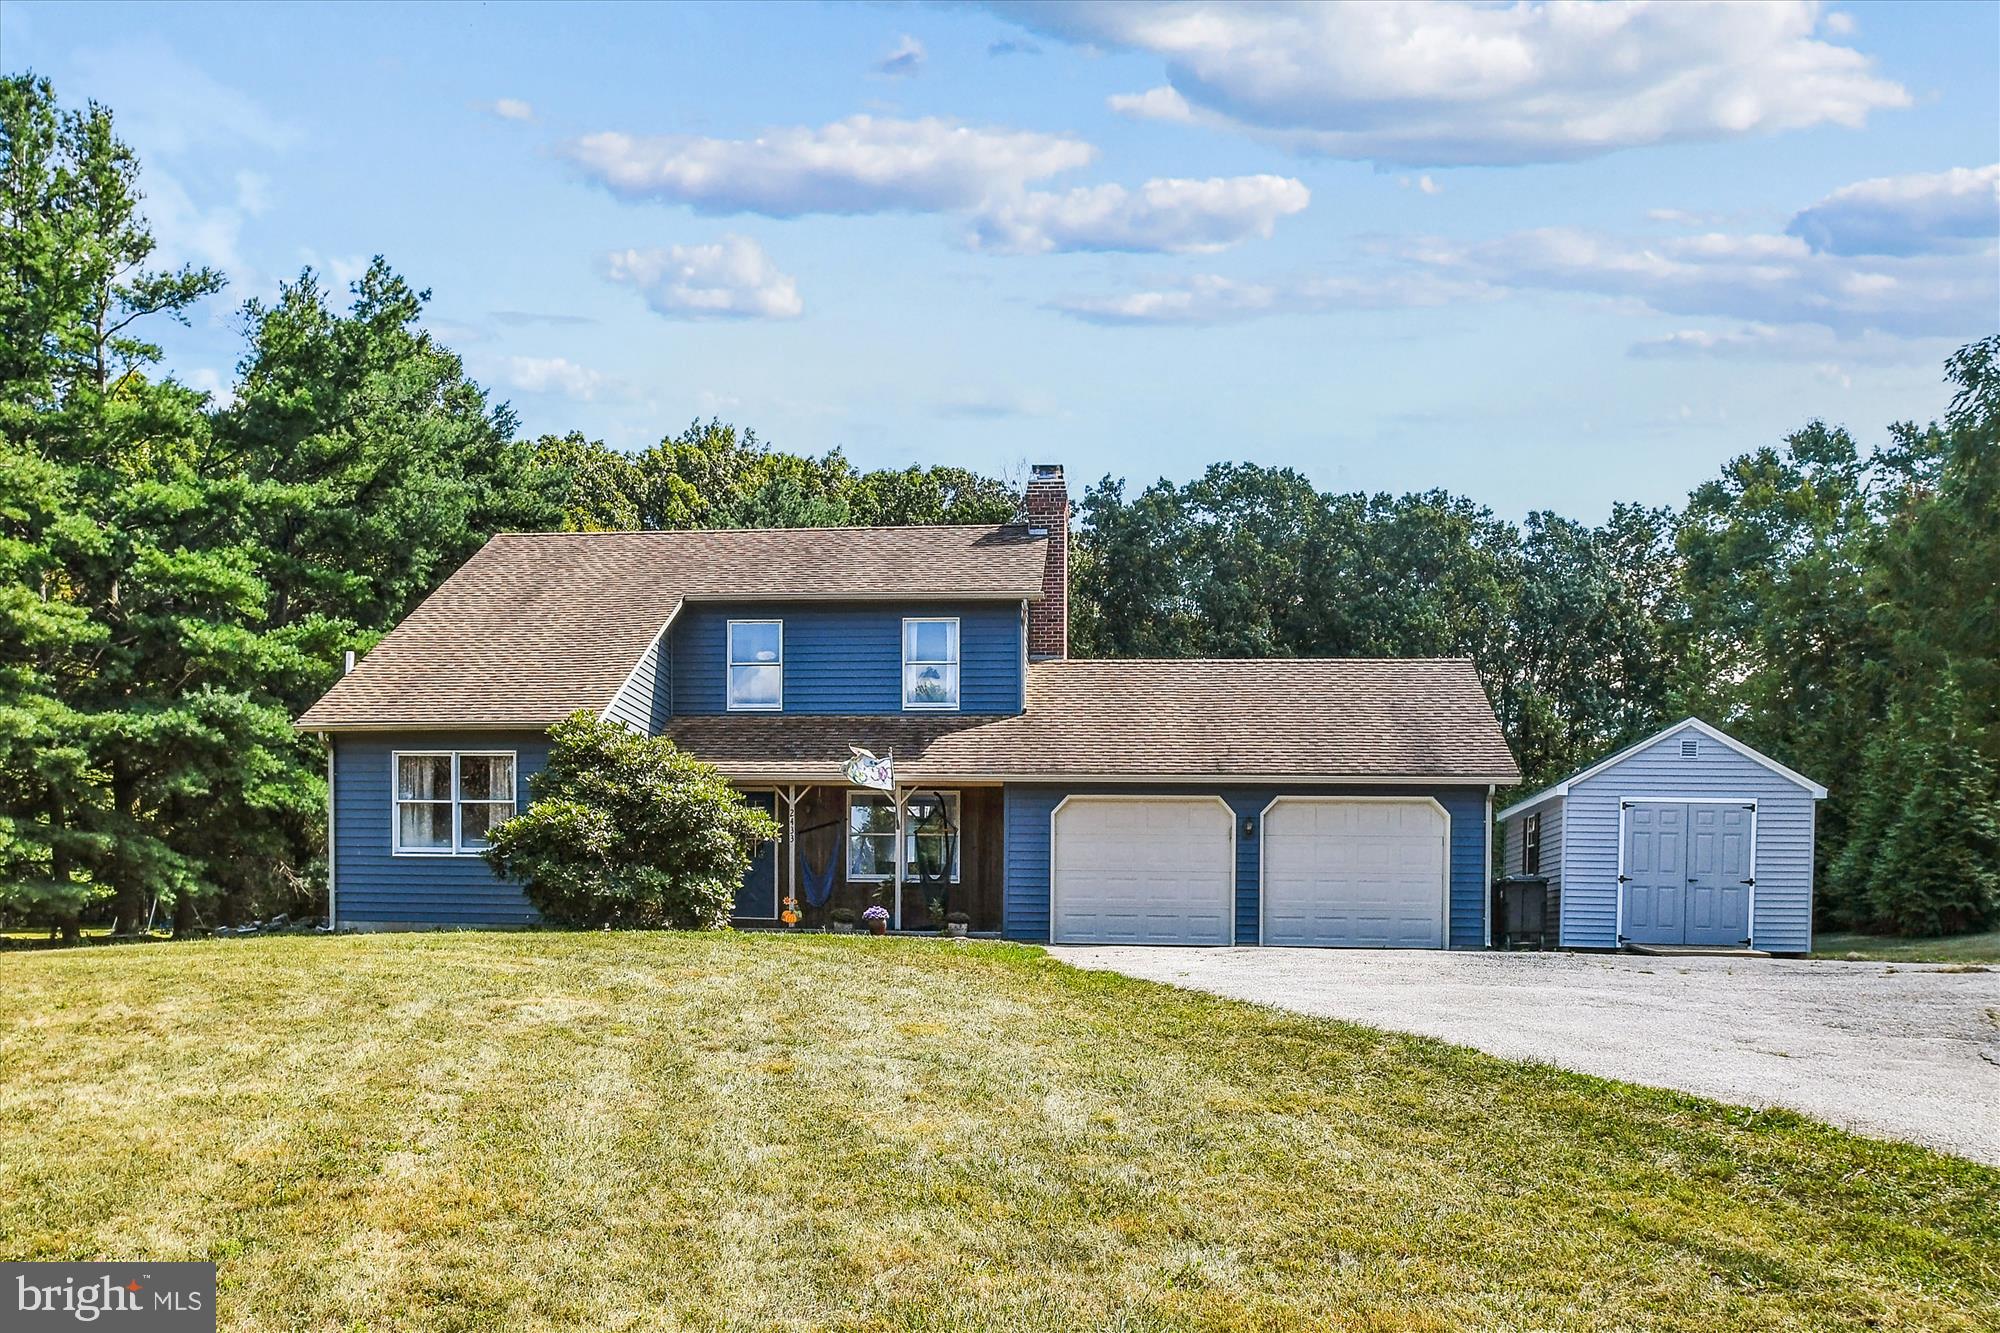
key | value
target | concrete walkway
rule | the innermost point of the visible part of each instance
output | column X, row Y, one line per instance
column 1899, row 1050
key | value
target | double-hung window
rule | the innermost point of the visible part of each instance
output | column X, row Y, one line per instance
column 448, row 800
column 756, row 665
column 931, row 836
column 1531, row 844
column 930, row 662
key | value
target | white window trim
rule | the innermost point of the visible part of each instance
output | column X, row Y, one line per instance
column 456, row 800
column 846, row 845
column 729, row 663
column 957, row 664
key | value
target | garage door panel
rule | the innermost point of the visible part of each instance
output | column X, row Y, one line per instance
column 1143, row 871
column 1346, row 872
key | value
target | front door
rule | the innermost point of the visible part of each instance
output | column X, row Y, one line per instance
column 1718, row 875
column 757, row 900
column 1655, row 880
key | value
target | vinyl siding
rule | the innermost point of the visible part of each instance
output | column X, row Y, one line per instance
column 643, row 703
column 1513, row 862
column 374, row 886
column 1030, row 808
column 1781, row 906
column 848, row 659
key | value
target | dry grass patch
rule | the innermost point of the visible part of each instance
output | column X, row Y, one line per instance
column 669, row 1131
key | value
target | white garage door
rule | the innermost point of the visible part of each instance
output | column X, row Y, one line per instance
column 1143, row 871
column 1359, row 873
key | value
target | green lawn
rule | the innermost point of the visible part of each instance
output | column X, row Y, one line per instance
column 1895, row 949
column 677, row 1131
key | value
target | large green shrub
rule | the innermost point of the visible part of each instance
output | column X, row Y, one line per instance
column 626, row 830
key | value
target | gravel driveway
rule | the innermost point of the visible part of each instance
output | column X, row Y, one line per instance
column 1900, row 1050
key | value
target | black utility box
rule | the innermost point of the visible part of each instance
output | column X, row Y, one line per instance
column 1521, row 913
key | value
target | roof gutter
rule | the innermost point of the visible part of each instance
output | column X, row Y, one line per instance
column 828, row 772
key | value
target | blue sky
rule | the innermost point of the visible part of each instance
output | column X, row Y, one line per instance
column 1546, row 257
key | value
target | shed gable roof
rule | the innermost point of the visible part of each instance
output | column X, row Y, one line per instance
column 538, row 625
column 1694, row 723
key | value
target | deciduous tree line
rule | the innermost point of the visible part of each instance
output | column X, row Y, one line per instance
column 181, row 574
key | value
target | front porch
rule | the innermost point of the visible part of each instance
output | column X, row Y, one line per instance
column 839, row 850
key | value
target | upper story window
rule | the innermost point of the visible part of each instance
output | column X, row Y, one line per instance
column 757, row 664
column 930, row 662
column 1531, row 844
column 447, row 800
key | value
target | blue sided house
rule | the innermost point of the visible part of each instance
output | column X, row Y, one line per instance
column 1281, row 802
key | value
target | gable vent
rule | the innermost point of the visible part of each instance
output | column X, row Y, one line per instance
column 1690, row 749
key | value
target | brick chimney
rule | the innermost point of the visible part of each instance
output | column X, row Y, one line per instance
column 1048, row 511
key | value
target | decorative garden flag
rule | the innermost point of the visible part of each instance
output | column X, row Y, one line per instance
column 865, row 770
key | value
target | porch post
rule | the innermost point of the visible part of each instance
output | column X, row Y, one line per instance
column 896, row 908
column 792, row 851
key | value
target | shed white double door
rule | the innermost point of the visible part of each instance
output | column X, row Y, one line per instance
column 1336, row 871
column 1687, row 872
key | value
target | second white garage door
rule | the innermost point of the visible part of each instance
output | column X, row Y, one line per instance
column 1360, row 873
column 1153, row 870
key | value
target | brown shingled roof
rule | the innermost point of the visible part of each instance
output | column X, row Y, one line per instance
column 538, row 625
column 1196, row 719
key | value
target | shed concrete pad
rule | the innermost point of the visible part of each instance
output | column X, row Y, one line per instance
column 1899, row 1050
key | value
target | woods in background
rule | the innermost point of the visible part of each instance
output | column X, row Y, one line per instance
column 179, row 576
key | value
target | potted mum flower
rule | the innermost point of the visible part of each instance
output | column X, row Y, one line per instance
column 957, row 923
column 843, row 920
column 877, row 918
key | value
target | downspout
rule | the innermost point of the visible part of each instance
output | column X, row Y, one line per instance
column 1487, row 877
column 332, row 879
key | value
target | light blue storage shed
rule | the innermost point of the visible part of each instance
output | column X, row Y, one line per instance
column 1688, row 838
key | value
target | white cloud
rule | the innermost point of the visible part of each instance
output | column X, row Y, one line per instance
column 253, row 193
column 1942, row 280
column 1172, row 216
column 1161, row 103
column 509, row 108
column 1421, row 184
column 1763, row 278
column 1685, row 217
column 1906, row 215
column 163, row 104
column 732, row 279
column 339, row 271
column 968, row 404
column 864, row 164
column 1840, row 24
column 1461, row 83
column 560, row 376
column 185, row 232
column 1796, row 342
column 527, row 317
column 221, row 393
column 1209, row 298
column 906, row 59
